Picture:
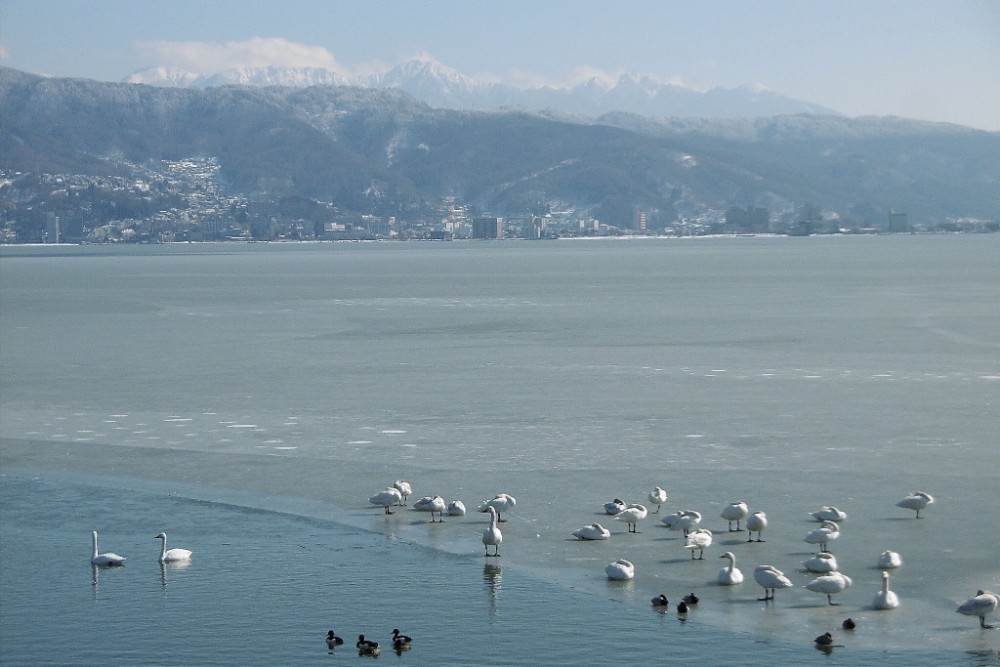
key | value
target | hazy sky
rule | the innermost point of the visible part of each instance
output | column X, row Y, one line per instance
column 926, row 59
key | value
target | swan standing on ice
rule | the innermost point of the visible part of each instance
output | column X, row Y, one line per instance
column 683, row 520
column 888, row 560
column 828, row 531
column 632, row 515
column 615, row 506
column 492, row 535
column 594, row 531
column 391, row 496
column 917, row 500
column 756, row 523
column 735, row 511
column 502, row 502
column 829, row 513
column 885, row 599
column 730, row 575
column 105, row 559
column 431, row 504
column 823, row 562
column 620, row 570
column 657, row 497
column 770, row 578
column 171, row 555
column 456, row 508
column 699, row 539
column 404, row 489
column 984, row 604
column 830, row 584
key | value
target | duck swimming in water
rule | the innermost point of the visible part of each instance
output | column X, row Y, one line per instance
column 367, row 647
column 660, row 601
column 400, row 642
column 333, row 640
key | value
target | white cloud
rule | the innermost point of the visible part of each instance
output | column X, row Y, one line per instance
column 212, row 57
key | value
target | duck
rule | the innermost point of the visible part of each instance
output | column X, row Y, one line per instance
column 735, row 511
column 683, row 520
column 756, row 523
column 682, row 607
column 387, row 498
column 632, row 515
column 455, row 508
column 827, row 531
column 917, row 500
column 660, row 601
column 613, row 507
column 770, row 579
column 333, row 640
column 829, row 513
column 888, row 560
column 730, row 574
column 404, row 489
column 885, row 599
column 982, row 605
column 821, row 563
column 502, row 502
column 171, row 555
column 700, row 539
column 367, row 647
column 400, row 642
column 830, row 585
column 691, row 599
column 824, row 640
column 107, row 559
column 848, row 624
column 620, row 570
column 492, row 535
column 431, row 504
column 594, row 531
column 657, row 497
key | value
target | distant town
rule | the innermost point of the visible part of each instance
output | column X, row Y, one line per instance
column 183, row 201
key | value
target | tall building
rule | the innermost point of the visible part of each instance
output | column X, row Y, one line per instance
column 639, row 221
column 487, row 228
column 898, row 222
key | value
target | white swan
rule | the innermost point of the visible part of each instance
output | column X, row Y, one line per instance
column 828, row 531
column 770, row 578
column 700, row 539
column 885, row 599
column 171, row 555
column 735, row 511
column 822, row 563
column 594, row 531
column 730, row 575
column 105, row 559
column 502, row 502
column 492, row 535
column 683, row 520
column 391, row 496
column 917, row 500
column 984, row 604
column 657, row 497
column 632, row 515
column 829, row 513
column 615, row 506
column 456, row 508
column 404, row 489
column 431, row 504
column 830, row 584
column 888, row 560
column 756, row 523
column 620, row 570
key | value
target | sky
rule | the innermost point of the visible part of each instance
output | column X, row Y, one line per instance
column 936, row 60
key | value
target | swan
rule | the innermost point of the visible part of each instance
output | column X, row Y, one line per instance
column 660, row 601
column 171, row 555
column 501, row 502
column 400, row 642
column 683, row 520
column 391, row 496
column 735, row 511
column 917, row 500
column 657, row 497
column 829, row 513
column 456, row 508
column 333, row 640
column 620, row 570
column 615, row 506
column 888, row 560
column 770, row 578
column 699, row 539
column 885, row 599
column 109, row 558
column 730, row 574
column 828, row 531
column 594, row 531
column 431, row 504
column 632, row 515
column 367, row 647
column 984, row 604
column 830, row 584
column 756, row 523
column 404, row 489
column 492, row 535
column 823, row 562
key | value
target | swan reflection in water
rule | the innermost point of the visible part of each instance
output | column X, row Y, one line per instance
column 493, row 577
column 175, row 565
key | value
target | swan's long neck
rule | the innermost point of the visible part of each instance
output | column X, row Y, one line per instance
column 885, row 583
column 94, row 535
column 163, row 549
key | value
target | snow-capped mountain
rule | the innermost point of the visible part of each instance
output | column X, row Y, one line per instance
column 441, row 86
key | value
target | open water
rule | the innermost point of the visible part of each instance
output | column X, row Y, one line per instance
column 248, row 399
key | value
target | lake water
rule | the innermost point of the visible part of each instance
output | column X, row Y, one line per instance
column 248, row 399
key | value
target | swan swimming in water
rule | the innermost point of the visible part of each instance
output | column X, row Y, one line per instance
column 829, row 513
column 699, row 539
column 456, row 508
column 828, row 531
column 917, row 500
column 683, row 520
column 770, row 578
column 333, row 640
column 830, row 584
column 391, row 496
column 888, row 560
column 657, row 497
column 594, row 531
column 171, row 555
column 885, row 599
column 502, row 502
column 620, row 570
column 984, row 604
column 431, row 504
column 735, row 511
column 615, row 506
column 730, row 575
column 822, row 563
column 632, row 515
column 492, row 535
column 404, row 489
column 756, row 523
column 105, row 559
